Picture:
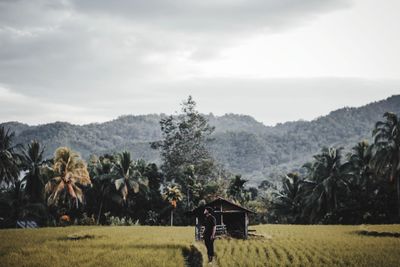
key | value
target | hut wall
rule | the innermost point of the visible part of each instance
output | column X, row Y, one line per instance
column 235, row 224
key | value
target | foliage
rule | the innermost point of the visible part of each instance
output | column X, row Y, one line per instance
column 70, row 173
column 129, row 178
column 186, row 159
column 237, row 191
column 363, row 188
column 173, row 195
column 9, row 158
column 124, row 221
column 287, row 202
column 386, row 159
column 239, row 142
column 34, row 179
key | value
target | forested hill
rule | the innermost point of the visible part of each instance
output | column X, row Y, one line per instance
column 239, row 142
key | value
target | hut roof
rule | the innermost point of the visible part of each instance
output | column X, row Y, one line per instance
column 218, row 201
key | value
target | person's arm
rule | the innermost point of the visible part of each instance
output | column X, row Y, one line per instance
column 213, row 232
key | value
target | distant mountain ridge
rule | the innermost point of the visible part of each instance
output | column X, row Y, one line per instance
column 242, row 144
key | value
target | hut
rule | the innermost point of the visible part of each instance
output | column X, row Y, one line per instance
column 232, row 219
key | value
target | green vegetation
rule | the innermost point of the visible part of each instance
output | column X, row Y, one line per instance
column 240, row 143
column 361, row 186
column 274, row 245
column 357, row 187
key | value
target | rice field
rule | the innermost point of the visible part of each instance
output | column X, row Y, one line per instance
column 273, row 245
column 289, row 245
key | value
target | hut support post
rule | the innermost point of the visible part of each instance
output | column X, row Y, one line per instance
column 197, row 230
column 245, row 225
column 222, row 216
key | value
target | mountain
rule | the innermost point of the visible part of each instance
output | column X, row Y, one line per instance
column 242, row 144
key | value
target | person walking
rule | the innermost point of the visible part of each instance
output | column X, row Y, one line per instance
column 210, row 227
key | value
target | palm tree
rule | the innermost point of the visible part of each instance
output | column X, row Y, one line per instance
column 70, row 171
column 362, row 202
column 386, row 158
column 101, row 173
column 9, row 158
column 15, row 206
column 326, row 178
column 173, row 195
column 32, row 159
column 287, row 202
column 359, row 165
column 129, row 178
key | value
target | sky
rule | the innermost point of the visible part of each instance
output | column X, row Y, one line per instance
column 92, row 61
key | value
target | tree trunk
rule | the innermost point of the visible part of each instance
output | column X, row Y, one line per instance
column 101, row 206
column 398, row 196
column 172, row 217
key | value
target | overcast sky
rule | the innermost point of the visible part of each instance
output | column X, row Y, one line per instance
column 276, row 60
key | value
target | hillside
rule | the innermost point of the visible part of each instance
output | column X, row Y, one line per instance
column 240, row 143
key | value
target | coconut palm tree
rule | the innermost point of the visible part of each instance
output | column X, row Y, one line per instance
column 9, row 158
column 173, row 195
column 359, row 165
column 288, row 201
column 15, row 206
column 129, row 178
column 362, row 201
column 70, row 172
column 101, row 173
column 386, row 158
column 326, row 179
column 32, row 159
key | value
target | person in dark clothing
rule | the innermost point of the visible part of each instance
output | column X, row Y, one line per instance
column 210, row 226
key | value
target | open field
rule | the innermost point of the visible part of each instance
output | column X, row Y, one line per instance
column 275, row 245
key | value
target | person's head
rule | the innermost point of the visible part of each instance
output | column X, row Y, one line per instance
column 208, row 211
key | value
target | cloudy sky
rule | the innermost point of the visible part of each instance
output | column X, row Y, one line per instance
column 276, row 60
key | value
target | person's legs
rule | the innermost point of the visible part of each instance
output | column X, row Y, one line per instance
column 210, row 248
column 211, row 254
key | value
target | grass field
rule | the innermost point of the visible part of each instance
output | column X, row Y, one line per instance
column 274, row 245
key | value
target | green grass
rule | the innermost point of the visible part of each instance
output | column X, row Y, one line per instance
column 276, row 245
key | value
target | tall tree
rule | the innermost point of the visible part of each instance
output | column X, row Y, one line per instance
column 100, row 169
column 70, row 173
column 129, row 178
column 32, row 159
column 359, row 160
column 9, row 158
column 288, row 201
column 186, row 159
column 326, row 180
column 387, row 150
column 183, row 148
column 173, row 195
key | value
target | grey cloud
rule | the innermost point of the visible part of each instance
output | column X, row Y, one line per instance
column 79, row 52
column 211, row 15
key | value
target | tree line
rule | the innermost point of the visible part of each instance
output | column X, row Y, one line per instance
column 115, row 189
column 362, row 186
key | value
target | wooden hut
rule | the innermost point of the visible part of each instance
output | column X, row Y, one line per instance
column 232, row 219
